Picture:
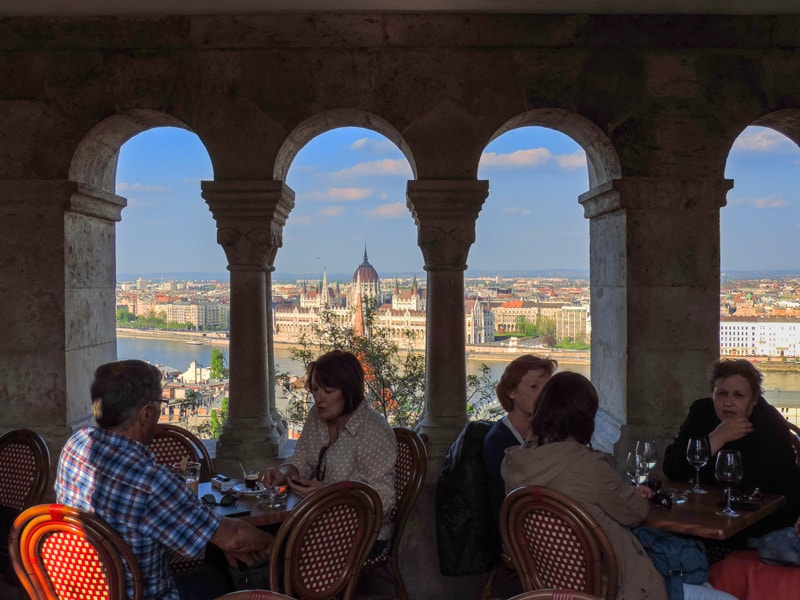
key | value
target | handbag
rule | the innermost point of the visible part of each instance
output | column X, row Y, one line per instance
column 781, row 547
column 679, row 559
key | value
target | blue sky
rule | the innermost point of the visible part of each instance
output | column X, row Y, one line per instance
column 350, row 191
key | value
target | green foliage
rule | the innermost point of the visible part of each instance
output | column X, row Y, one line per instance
column 219, row 364
column 151, row 320
column 567, row 345
column 481, row 399
column 394, row 375
column 218, row 419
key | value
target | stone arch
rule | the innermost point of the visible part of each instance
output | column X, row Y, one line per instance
column 333, row 119
column 93, row 209
column 601, row 156
column 94, row 163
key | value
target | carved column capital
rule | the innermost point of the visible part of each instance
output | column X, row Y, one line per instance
column 445, row 212
column 655, row 194
column 250, row 216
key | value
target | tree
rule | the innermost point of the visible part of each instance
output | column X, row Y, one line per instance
column 218, row 418
column 394, row 376
column 481, row 398
column 219, row 364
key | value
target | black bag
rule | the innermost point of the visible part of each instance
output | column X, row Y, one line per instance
column 467, row 536
column 679, row 559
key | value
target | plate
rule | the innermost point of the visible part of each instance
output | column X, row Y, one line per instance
column 240, row 488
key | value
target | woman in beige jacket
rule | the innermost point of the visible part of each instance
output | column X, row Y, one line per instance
column 563, row 424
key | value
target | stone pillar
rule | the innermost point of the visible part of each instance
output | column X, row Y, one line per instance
column 250, row 216
column 445, row 213
column 655, row 301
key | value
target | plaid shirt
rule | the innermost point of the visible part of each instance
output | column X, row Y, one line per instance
column 149, row 506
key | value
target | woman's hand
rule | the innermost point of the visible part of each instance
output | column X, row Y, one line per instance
column 273, row 476
column 729, row 430
column 644, row 491
column 303, row 487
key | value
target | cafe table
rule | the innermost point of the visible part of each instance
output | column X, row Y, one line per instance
column 697, row 516
column 248, row 509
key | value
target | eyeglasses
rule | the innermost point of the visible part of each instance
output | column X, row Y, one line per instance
column 319, row 470
column 211, row 500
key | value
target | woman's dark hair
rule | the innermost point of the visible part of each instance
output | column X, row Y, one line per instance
column 514, row 373
column 341, row 370
column 120, row 388
column 565, row 409
column 739, row 366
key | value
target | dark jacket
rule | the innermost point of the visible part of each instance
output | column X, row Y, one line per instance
column 767, row 457
column 467, row 536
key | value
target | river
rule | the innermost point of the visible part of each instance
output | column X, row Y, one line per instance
column 782, row 387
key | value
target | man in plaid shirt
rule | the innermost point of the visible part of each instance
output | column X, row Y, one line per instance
column 109, row 470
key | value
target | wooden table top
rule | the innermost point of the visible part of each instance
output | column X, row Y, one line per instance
column 697, row 516
column 260, row 516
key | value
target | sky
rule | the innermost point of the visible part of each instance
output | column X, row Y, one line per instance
column 350, row 193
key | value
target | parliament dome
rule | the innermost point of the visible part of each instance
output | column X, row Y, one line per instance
column 365, row 273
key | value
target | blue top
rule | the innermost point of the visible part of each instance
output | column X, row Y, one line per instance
column 151, row 507
column 502, row 435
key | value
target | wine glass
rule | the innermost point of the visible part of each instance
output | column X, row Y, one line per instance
column 633, row 468
column 647, row 456
column 729, row 473
column 697, row 453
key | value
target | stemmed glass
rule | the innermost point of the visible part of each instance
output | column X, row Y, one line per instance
column 646, row 456
column 633, row 468
column 729, row 473
column 697, row 453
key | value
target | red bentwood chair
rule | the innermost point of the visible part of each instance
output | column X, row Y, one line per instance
column 171, row 444
column 323, row 543
column 554, row 543
column 410, row 468
column 24, row 468
column 254, row 595
column 555, row 595
column 62, row 553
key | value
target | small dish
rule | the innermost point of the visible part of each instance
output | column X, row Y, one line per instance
column 241, row 489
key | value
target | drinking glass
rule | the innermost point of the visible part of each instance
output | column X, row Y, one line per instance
column 646, row 457
column 697, row 453
column 729, row 473
column 632, row 468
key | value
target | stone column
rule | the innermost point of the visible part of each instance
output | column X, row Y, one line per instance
column 445, row 213
column 655, row 301
column 250, row 216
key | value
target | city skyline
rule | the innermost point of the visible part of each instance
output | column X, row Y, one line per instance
column 350, row 191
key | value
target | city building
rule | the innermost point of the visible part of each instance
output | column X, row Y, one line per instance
column 771, row 337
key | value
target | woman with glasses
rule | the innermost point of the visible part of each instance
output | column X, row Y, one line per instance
column 343, row 437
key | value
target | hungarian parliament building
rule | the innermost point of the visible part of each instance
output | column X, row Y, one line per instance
column 398, row 312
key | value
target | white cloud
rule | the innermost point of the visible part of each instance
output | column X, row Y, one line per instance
column 576, row 160
column 334, row 194
column 140, row 187
column 302, row 221
column 519, row 158
column 769, row 202
column 762, row 140
column 396, row 210
column 332, row 211
column 515, row 210
column 385, row 166
column 359, row 144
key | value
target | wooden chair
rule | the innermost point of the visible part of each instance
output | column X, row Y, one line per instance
column 555, row 543
column 24, row 472
column 410, row 469
column 24, row 468
column 172, row 443
column 322, row 546
column 795, row 439
column 555, row 595
column 61, row 552
column 254, row 595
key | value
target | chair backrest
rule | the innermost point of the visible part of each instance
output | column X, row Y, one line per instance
column 410, row 469
column 172, row 443
column 24, row 468
column 555, row 543
column 794, row 430
column 555, row 595
column 60, row 552
column 254, row 595
column 323, row 543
